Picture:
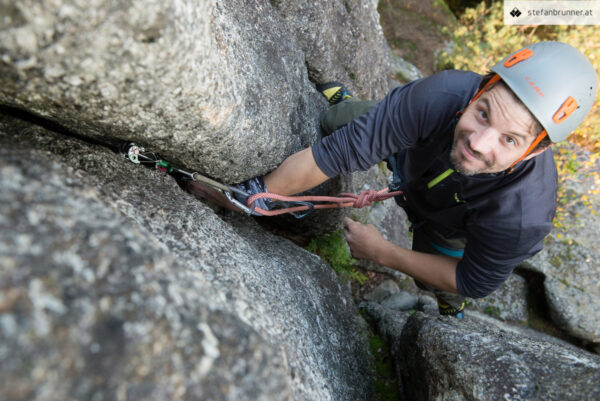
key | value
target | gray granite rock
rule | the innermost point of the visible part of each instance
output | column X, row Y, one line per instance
column 383, row 291
column 571, row 286
column 569, row 260
column 284, row 325
column 95, row 307
column 404, row 71
column 341, row 40
column 480, row 358
column 218, row 86
column 509, row 302
column 388, row 294
column 452, row 360
column 221, row 87
column 401, row 301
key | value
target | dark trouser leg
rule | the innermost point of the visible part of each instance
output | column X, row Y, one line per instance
column 344, row 112
column 422, row 243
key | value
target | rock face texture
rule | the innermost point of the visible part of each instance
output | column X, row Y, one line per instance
column 569, row 260
column 218, row 86
column 340, row 41
column 470, row 361
column 571, row 286
column 509, row 302
column 222, row 87
column 118, row 285
column 478, row 358
column 94, row 308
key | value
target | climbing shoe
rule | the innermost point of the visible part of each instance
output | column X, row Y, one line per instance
column 448, row 310
column 253, row 186
column 334, row 92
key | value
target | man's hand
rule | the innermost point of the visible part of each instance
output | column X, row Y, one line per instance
column 365, row 240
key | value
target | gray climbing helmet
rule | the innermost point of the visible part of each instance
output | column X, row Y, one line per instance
column 555, row 81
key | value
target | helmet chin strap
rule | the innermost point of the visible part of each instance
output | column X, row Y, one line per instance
column 492, row 81
column 535, row 142
column 489, row 83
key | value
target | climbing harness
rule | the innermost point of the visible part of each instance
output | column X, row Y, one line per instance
column 298, row 206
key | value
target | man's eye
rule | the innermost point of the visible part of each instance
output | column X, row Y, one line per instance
column 510, row 140
column 483, row 114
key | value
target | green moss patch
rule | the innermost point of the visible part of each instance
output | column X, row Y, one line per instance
column 333, row 249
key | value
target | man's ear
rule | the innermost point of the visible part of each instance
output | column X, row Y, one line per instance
column 535, row 153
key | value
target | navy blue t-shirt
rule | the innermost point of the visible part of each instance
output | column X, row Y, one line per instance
column 503, row 217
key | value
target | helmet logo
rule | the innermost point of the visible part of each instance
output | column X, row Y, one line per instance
column 534, row 86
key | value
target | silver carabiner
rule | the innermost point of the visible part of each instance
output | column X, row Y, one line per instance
column 239, row 204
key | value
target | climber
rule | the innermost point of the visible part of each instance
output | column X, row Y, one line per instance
column 471, row 154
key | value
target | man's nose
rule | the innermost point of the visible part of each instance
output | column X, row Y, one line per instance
column 483, row 141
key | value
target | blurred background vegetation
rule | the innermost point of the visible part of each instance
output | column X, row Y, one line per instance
column 480, row 39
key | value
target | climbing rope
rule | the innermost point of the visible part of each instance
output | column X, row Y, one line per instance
column 365, row 198
column 287, row 204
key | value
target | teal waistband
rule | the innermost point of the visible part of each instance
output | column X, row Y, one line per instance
column 455, row 253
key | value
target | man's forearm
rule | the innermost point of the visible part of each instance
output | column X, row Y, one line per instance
column 296, row 174
column 438, row 271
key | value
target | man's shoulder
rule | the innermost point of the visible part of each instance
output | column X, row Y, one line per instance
column 527, row 196
column 457, row 74
column 440, row 95
column 541, row 182
column 455, row 82
column 458, row 82
column 538, row 173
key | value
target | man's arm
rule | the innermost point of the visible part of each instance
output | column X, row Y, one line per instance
column 391, row 125
column 296, row 174
column 366, row 242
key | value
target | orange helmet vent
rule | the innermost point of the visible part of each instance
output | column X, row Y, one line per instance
column 519, row 56
column 567, row 108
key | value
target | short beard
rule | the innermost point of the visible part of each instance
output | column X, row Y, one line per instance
column 456, row 160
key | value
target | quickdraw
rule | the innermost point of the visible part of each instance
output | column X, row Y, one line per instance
column 136, row 154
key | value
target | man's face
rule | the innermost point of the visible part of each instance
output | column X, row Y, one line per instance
column 492, row 133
